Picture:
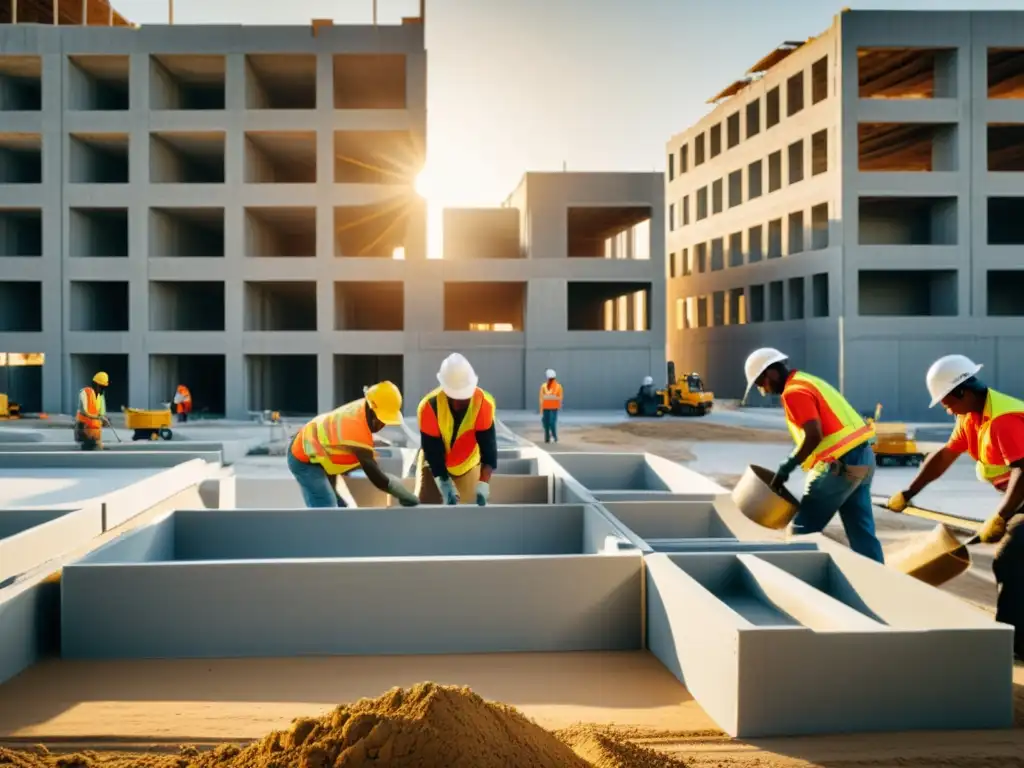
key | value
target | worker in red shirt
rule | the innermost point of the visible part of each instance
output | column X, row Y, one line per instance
column 833, row 445
column 990, row 429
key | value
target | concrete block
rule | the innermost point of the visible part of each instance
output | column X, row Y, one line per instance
column 29, row 623
column 93, row 460
column 31, row 537
column 746, row 632
column 127, row 502
column 219, row 492
column 636, row 477
column 231, row 450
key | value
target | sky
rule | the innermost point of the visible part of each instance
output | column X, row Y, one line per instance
column 518, row 85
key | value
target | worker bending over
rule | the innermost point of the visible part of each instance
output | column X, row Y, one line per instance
column 92, row 413
column 647, row 397
column 335, row 443
column 183, row 402
column 833, row 444
column 550, row 405
column 459, row 445
column 990, row 429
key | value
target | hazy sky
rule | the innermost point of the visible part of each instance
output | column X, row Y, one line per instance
column 518, row 85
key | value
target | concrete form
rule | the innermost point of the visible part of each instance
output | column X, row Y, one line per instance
column 855, row 202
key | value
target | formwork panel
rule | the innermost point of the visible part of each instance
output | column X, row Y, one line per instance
column 31, row 537
column 637, row 477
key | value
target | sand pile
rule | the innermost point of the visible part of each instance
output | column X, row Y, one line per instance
column 603, row 750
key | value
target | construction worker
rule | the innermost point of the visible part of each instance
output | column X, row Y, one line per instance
column 340, row 441
column 92, row 413
column 833, row 444
column 647, row 397
column 182, row 402
column 550, row 405
column 990, row 429
column 458, row 441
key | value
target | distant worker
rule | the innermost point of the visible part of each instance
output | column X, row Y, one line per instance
column 990, row 429
column 92, row 413
column 833, row 444
column 182, row 402
column 647, row 397
column 550, row 404
column 459, row 444
column 340, row 441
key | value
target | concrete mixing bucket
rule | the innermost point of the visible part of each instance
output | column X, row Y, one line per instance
column 755, row 498
column 934, row 558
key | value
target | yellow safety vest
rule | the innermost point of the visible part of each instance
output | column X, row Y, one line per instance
column 853, row 433
column 324, row 439
column 462, row 452
column 996, row 404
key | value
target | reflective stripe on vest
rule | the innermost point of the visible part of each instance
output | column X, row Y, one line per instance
column 853, row 433
column 996, row 404
column 89, row 417
column 462, row 452
column 318, row 442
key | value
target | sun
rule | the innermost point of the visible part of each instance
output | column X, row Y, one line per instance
column 424, row 184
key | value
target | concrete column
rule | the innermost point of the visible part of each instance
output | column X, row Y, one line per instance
column 235, row 375
column 325, row 382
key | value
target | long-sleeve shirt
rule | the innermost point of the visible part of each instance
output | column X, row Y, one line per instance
column 434, row 453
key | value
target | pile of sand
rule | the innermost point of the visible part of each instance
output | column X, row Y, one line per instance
column 602, row 749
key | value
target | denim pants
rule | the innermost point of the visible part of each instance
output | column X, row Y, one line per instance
column 549, row 418
column 1008, row 568
column 843, row 487
column 315, row 484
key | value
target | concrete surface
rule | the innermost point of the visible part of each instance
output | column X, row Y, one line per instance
column 30, row 537
column 62, row 487
column 635, row 476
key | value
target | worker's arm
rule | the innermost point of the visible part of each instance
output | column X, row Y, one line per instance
column 1013, row 499
column 433, row 453
column 812, row 439
column 802, row 411
column 368, row 463
column 932, row 469
column 487, row 439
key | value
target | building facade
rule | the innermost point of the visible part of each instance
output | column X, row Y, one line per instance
column 857, row 201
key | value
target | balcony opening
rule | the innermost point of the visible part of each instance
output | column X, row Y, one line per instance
column 907, row 293
column 796, row 298
column 757, row 303
column 98, row 233
column 186, row 305
column 819, row 227
column 280, row 157
column 484, row 306
column 1006, row 148
column 609, row 232
column 796, row 162
column 794, row 94
column 906, row 73
column 717, row 255
column 99, row 306
column 99, row 83
column 755, row 244
column 98, row 158
column 773, row 111
column 280, row 306
column 204, row 375
column 186, row 158
column 905, row 147
column 775, row 171
column 796, row 233
column 819, row 80
column 353, row 372
column 819, row 295
column 684, row 159
column 732, row 130
column 819, row 153
column 369, row 81
column 716, row 196
column 21, row 83
column 1005, row 292
column 736, row 249
column 376, row 157
column 280, row 232
column 735, row 307
column 374, row 231
column 186, row 233
column 715, row 140
column 702, row 203
column 775, row 239
column 1006, row 221
column 754, row 180
column 698, row 149
column 908, row 221
column 283, row 383
column 1006, row 73
column 753, row 118
column 718, row 309
column 481, row 233
column 21, row 232
column 21, row 158
column 21, row 379
column 369, row 306
column 700, row 256
column 735, row 188
column 192, row 82
column 280, row 81
column 21, row 306
column 84, row 367
column 609, row 306
column 776, row 301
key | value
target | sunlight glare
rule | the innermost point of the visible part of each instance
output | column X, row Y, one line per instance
column 424, row 184
column 398, row 254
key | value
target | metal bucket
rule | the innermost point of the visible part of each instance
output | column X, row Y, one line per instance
column 756, row 499
column 934, row 558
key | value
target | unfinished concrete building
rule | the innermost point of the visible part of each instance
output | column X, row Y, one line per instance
column 857, row 201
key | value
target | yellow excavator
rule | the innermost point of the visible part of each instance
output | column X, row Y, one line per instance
column 8, row 410
column 685, row 396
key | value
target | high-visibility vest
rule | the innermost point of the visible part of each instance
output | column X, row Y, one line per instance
column 989, row 466
column 91, row 408
column 853, row 433
column 550, row 397
column 184, row 405
column 322, row 440
column 462, row 452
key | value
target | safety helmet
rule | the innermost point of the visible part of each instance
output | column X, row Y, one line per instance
column 759, row 361
column 549, row 373
column 648, row 380
column 385, row 400
column 947, row 373
column 457, row 378
column 101, row 379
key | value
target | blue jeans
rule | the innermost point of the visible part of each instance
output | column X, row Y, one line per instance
column 315, row 484
column 831, row 489
column 549, row 418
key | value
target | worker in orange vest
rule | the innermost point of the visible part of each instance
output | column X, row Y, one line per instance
column 340, row 441
column 92, row 413
column 458, row 440
column 183, row 402
column 550, row 404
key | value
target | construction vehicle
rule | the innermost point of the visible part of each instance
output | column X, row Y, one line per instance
column 895, row 444
column 8, row 410
column 149, row 425
column 680, row 397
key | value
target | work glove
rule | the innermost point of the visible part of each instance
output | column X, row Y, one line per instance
column 405, row 497
column 899, row 501
column 483, row 493
column 449, row 493
column 782, row 473
column 993, row 530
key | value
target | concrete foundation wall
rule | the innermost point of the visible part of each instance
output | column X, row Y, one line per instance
column 30, row 537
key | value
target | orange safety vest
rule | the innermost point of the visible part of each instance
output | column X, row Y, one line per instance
column 853, row 433
column 462, row 452
column 989, row 467
column 550, row 397
column 185, row 406
column 322, row 440
column 91, row 410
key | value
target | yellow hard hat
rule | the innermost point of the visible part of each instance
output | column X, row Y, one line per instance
column 385, row 400
column 102, row 379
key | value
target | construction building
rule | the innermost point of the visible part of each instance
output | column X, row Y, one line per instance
column 857, row 200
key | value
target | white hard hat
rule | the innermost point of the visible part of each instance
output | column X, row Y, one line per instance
column 947, row 373
column 549, row 373
column 648, row 380
column 457, row 378
column 759, row 361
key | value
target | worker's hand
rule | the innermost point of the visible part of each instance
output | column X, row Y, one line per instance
column 449, row 493
column 782, row 474
column 899, row 501
column 483, row 493
column 405, row 497
column 993, row 530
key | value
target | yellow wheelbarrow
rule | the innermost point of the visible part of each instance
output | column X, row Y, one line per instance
column 148, row 425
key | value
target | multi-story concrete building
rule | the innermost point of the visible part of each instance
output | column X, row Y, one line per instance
column 858, row 201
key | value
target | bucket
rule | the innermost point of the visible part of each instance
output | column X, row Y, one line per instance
column 934, row 558
column 756, row 499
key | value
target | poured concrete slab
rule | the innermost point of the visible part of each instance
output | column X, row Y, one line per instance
column 64, row 488
column 230, row 451
column 96, row 460
column 31, row 537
